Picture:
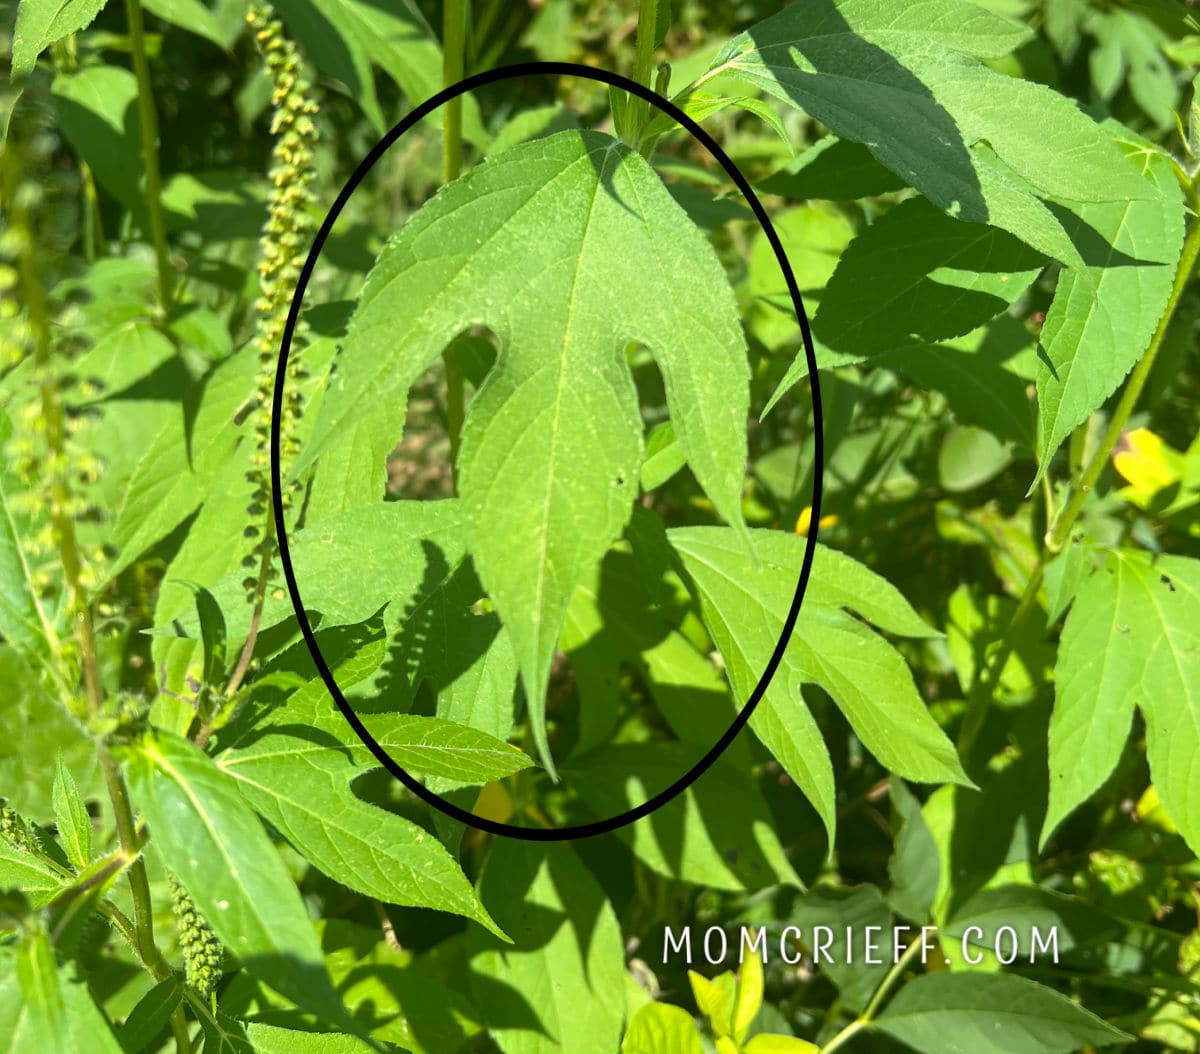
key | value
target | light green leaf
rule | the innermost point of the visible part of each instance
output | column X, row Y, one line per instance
column 916, row 275
column 988, row 1013
column 903, row 81
column 344, row 38
column 660, row 1028
column 149, row 1016
column 271, row 1039
column 124, row 355
column 23, row 624
column 183, row 462
column 1132, row 639
column 552, row 443
column 217, row 848
column 41, row 23
column 45, row 1009
column 748, row 999
column 744, row 607
column 297, row 774
column 191, row 15
column 96, row 109
column 1103, row 316
column 71, row 816
column 41, row 992
column 559, row 989
column 718, row 832
column 32, row 876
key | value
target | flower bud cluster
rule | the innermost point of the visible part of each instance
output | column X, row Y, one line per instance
column 202, row 953
column 14, row 831
column 282, row 247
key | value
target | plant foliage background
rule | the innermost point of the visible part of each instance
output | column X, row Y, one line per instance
column 548, row 457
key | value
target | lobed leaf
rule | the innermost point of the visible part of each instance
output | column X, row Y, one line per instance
column 744, row 607
column 1132, row 639
column 552, row 444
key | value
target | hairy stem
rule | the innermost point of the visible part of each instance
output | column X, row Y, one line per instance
column 1059, row 532
column 454, row 44
column 148, row 119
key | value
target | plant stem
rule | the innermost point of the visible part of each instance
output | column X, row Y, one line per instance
column 880, row 994
column 643, row 72
column 1059, row 532
column 454, row 44
column 148, row 119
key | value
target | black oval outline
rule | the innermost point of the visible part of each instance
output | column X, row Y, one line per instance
column 479, row 80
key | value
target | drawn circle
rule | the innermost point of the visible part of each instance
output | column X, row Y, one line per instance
column 479, row 80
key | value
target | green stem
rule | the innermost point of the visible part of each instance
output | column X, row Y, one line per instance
column 880, row 994
column 643, row 71
column 1059, row 531
column 454, row 44
column 148, row 119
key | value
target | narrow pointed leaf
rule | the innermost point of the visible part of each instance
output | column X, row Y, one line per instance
column 217, row 848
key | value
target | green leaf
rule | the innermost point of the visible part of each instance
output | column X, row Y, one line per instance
column 23, row 624
column 980, row 375
column 40, row 882
column 970, row 457
column 1132, row 639
column 41, row 23
column 344, row 38
column 149, row 1016
column 297, row 774
column 559, row 989
column 660, row 1028
column 183, row 462
column 552, row 443
column 832, row 169
column 45, row 1009
column 987, row 1013
column 271, row 1039
column 217, row 848
column 915, row 276
column 41, row 991
column 744, row 607
column 904, row 83
column 748, row 998
column 1103, row 315
column 718, row 832
column 71, row 816
column 97, row 113
column 913, row 867
column 191, row 15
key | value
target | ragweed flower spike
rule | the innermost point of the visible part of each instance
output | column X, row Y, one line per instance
column 202, row 951
column 282, row 245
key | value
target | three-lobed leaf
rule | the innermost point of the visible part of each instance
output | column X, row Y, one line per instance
column 745, row 605
column 1131, row 640
column 570, row 248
